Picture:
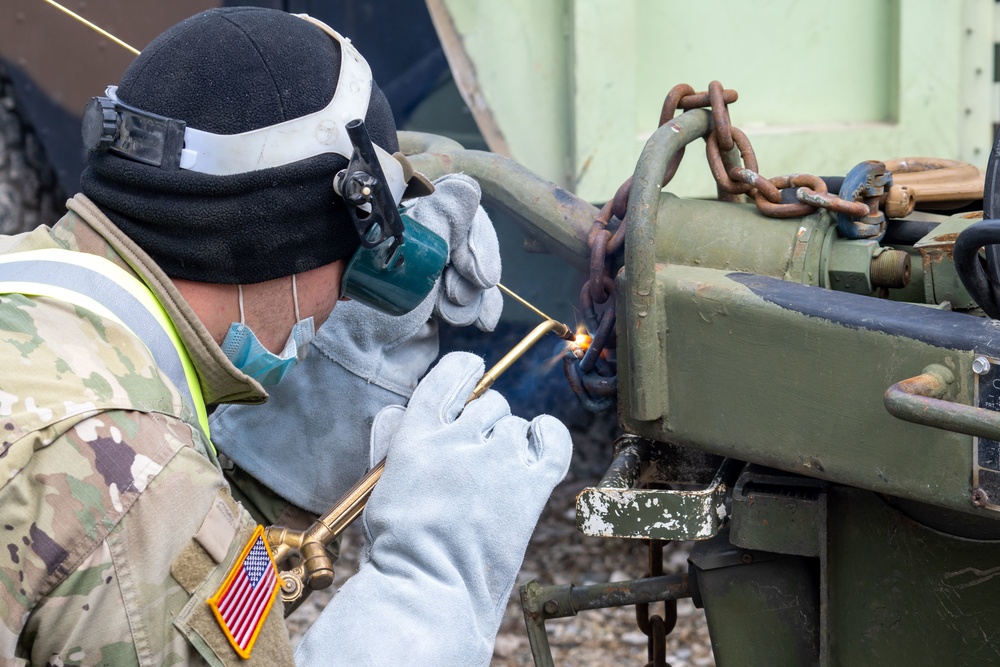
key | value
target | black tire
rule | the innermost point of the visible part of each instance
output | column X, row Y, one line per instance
column 29, row 192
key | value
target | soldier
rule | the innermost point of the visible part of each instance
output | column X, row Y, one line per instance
column 206, row 246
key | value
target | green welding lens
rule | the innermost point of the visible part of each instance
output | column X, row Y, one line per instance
column 402, row 285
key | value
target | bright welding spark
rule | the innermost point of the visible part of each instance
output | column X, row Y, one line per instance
column 582, row 341
column 577, row 346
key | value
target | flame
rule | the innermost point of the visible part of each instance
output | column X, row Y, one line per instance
column 582, row 342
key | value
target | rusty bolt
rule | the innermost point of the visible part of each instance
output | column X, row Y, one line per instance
column 550, row 607
column 891, row 268
column 746, row 558
column 980, row 498
column 981, row 365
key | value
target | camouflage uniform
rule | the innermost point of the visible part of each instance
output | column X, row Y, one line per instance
column 117, row 519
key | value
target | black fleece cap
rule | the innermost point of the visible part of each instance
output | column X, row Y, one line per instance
column 227, row 71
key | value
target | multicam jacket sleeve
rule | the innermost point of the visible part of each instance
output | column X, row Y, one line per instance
column 115, row 534
column 117, row 524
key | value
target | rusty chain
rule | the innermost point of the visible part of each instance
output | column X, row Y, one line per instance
column 737, row 174
column 745, row 179
column 657, row 626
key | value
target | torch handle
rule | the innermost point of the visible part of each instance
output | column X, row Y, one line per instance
column 352, row 504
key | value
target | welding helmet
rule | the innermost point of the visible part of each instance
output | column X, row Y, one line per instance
column 217, row 151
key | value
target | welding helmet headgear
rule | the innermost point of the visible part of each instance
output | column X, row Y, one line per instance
column 217, row 151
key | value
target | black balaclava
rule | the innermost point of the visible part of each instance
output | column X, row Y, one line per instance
column 228, row 71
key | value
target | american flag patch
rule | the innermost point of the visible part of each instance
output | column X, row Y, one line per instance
column 242, row 603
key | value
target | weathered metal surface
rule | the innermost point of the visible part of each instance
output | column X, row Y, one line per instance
column 904, row 594
column 553, row 216
column 733, row 163
column 864, row 184
column 617, row 508
column 986, row 451
column 769, row 201
column 926, row 181
column 763, row 609
column 792, row 377
column 890, row 269
column 920, row 400
column 738, row 237
column 778, row 512
column 412, row 143
column 850, row 265
column 941, row 281
column 831, row 202
column 569, row 600
column 644, row 513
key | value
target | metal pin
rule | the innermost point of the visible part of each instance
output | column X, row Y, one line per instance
column 94, row 27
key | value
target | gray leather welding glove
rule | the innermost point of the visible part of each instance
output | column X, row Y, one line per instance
column 447, row 527
column 309, row 442
column 470, row 295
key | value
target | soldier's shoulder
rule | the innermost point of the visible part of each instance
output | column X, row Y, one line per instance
column 62, row 362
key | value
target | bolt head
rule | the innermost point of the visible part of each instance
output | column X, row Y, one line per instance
column 980, row 498
column 981, row 365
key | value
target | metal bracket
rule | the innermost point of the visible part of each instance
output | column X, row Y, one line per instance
column 617, row 508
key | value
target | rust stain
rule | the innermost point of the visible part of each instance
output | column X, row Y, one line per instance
column 943, row 248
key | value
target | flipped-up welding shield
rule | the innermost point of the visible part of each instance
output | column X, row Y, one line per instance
column 398, row 288
column 399, row 259
column 396, row 265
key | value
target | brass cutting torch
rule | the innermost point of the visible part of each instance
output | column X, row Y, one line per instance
column 314, row 568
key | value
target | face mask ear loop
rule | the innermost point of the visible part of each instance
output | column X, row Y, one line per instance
column 295, row 299
column 240, row 289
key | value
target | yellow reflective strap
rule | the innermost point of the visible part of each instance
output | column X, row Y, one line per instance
column 126, row 281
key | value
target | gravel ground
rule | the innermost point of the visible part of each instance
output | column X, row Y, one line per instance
column 559, row 554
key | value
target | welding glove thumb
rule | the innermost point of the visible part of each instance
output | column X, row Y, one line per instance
column 447, row 526
column 309, row 442
column 468, row 292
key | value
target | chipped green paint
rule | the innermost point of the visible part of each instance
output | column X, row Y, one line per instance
column 650, row 514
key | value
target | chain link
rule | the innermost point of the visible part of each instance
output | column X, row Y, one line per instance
column 594, row 377
column 734, row 180
column 657, row 626
column 736, row 174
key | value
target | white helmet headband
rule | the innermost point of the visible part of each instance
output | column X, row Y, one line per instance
column 297, row 139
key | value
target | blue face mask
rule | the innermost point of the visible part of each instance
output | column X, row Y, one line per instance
column 242, row 347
